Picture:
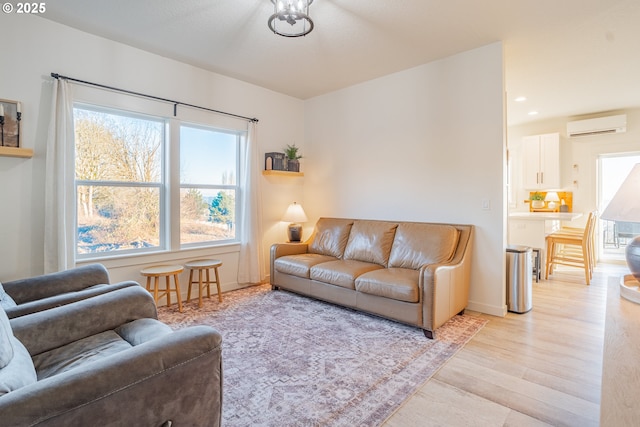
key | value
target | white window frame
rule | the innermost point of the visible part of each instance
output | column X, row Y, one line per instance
column 169, row 239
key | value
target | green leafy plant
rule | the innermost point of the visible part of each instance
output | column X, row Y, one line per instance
column 292, row 152
column 537, row 196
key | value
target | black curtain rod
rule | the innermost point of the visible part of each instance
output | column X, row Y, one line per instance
column 157, row 98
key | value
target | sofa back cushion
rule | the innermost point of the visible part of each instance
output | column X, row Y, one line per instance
column 5, row 299
column 418, row 244
column 6, row 333
column 370, row 241
column 330, row 236
column 16, row 366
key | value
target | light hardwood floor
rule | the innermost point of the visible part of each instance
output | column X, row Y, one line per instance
column 535, row 369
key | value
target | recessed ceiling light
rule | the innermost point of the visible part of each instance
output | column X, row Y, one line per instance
column 521, row 99
column 533, row 113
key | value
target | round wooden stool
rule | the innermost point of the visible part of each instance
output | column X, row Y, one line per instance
column 165, row 271
column 204, row 266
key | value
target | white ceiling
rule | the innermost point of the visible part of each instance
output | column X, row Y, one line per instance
column 568, row 57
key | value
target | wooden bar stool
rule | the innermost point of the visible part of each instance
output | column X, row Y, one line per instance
column 204, row 266
column 165, row 271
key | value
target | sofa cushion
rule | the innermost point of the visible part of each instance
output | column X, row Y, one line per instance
column 300, row 265
column 330, row 236
column 370, row 241
column 16, row 366
column 19, row 372
column 6, row 334
column 79, row 353
column 396, row 283
column 5, row 299
column 416, row 245
column 341, row 273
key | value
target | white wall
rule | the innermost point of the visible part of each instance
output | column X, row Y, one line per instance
column 425, row 144
column 34, row 47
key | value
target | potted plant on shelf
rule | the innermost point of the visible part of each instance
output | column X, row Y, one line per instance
column 291, row 152
column 537, row 200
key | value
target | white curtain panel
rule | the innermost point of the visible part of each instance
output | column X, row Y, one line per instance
column 59, row 217
column 251, row 266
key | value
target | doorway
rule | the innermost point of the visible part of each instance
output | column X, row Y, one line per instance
column 613, row 169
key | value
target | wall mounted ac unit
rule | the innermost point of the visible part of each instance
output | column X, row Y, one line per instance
column 598, row 126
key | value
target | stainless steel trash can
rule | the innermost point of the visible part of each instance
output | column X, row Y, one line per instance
column 519, row 265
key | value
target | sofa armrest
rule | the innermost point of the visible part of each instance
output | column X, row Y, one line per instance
column 177, row 377
column 283, row 249
column 49, row 329
column 47, row 285
column 445, row 287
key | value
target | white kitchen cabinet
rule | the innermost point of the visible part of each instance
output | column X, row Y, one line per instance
column 541, row 161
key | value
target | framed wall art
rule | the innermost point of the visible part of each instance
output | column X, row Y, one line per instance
column 10, row 120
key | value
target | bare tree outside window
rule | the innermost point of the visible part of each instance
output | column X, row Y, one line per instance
column 118, row 181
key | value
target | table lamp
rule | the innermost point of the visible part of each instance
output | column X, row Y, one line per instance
column 551, row 198
column 294, row 215
column 625, row 207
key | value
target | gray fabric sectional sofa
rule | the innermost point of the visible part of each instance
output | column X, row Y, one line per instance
column 412, row 272
column 107, row 360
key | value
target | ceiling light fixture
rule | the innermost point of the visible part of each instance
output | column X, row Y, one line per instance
column 293, row 12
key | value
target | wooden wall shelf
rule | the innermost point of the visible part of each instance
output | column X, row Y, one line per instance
column 282, row 173
column 16, row 152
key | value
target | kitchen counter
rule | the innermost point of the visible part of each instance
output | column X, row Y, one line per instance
column 545, row 216
column 531, row 229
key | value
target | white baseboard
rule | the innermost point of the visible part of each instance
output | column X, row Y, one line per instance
column 493, row 310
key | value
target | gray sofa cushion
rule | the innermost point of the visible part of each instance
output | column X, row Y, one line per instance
column 370, row 241
column 19, row 372
column 396, row 283
column 417, row 244
column 330, row 237
column 6, row 333
column 97, row 347
column 16, row 367
column 5, row 299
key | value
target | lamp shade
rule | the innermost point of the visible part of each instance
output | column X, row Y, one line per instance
column 625, row 207
column 294, row 213
column 552, row 196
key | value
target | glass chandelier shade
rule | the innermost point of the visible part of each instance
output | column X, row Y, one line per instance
column 291, row 18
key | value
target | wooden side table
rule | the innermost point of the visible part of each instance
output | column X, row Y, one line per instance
column 204, row 266
column 165, row 271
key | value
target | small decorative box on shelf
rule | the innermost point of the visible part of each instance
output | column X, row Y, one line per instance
column 274, row 161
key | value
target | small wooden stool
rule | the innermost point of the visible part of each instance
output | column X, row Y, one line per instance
column 204, row 265
column 165, row 271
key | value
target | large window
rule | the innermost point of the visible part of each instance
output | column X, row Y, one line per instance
column 124, row 181
column 208, row 170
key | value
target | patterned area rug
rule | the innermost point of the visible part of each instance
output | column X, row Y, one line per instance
column 294, row 361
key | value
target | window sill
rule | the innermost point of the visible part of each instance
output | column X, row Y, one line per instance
column 160, row 257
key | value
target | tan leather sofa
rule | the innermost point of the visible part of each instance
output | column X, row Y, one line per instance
column 412, row 272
